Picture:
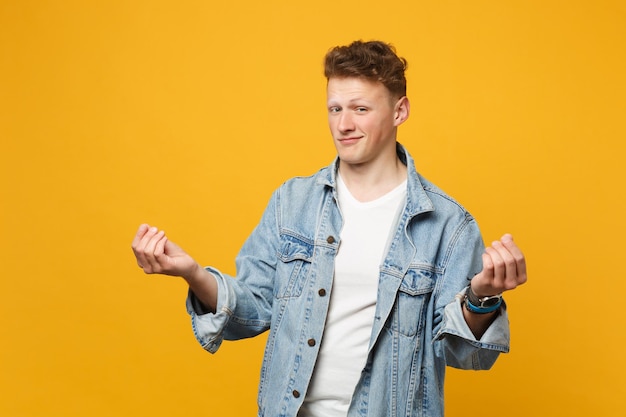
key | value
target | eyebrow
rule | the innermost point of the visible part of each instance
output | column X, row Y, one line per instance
column 351, row 101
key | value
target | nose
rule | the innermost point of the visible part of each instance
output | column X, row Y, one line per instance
column 345, row 123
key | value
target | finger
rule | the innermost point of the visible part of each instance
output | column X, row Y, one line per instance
column 518, row 257
column 499, row 268
column 159, row 252
column 510, row 277
column 140, row 233
column 482, row 283
column 150, row 250
column 145, row 250
column 143, row 240
column 488, row 267
column 146, row 237
column 139, row 243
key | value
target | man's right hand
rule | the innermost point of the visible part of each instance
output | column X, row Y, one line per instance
column 156, row 254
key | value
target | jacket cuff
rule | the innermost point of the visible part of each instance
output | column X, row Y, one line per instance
column 208, row 327
column 496, row 337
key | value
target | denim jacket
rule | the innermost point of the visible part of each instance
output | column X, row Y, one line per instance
column 284, row 279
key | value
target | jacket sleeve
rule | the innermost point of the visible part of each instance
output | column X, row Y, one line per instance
column 459, row 346
column 462, row 349
column 244, row 302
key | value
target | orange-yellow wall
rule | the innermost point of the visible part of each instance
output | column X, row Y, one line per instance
column 187, row 114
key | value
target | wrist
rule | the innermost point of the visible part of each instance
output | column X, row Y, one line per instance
column 194, row 274
column 481, row 305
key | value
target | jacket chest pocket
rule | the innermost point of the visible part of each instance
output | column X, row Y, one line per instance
column 294, row 266
column 412, row 300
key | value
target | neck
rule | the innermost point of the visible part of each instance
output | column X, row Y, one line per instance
column 367, row 183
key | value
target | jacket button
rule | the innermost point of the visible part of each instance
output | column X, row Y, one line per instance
column 296, row 393
column 330, row 239
column 322, row 292
column 311, row 342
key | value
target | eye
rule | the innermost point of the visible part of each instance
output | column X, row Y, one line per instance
column 361, row 109
column 334, row 109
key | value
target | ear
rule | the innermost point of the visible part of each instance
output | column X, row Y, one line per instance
column 401, row 111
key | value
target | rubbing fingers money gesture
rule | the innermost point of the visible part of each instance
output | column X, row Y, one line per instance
column 157, row 255
column 504, row 268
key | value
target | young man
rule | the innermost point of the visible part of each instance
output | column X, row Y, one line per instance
column 369, row 278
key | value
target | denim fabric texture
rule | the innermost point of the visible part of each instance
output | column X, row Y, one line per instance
column 284, row 279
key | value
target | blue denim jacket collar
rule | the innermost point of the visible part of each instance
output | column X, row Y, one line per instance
column 417, row 199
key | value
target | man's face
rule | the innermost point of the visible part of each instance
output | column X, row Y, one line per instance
column 363, row 117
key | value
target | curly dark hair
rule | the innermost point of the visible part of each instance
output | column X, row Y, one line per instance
column 372, row 60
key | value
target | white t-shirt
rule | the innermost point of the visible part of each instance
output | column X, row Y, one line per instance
column 364, row 241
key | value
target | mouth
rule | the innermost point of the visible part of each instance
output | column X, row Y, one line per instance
column 349, row 139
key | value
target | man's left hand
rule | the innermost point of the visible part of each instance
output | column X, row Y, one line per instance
column 504, row 268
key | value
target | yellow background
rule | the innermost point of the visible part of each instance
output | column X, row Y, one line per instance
column 187, row 114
